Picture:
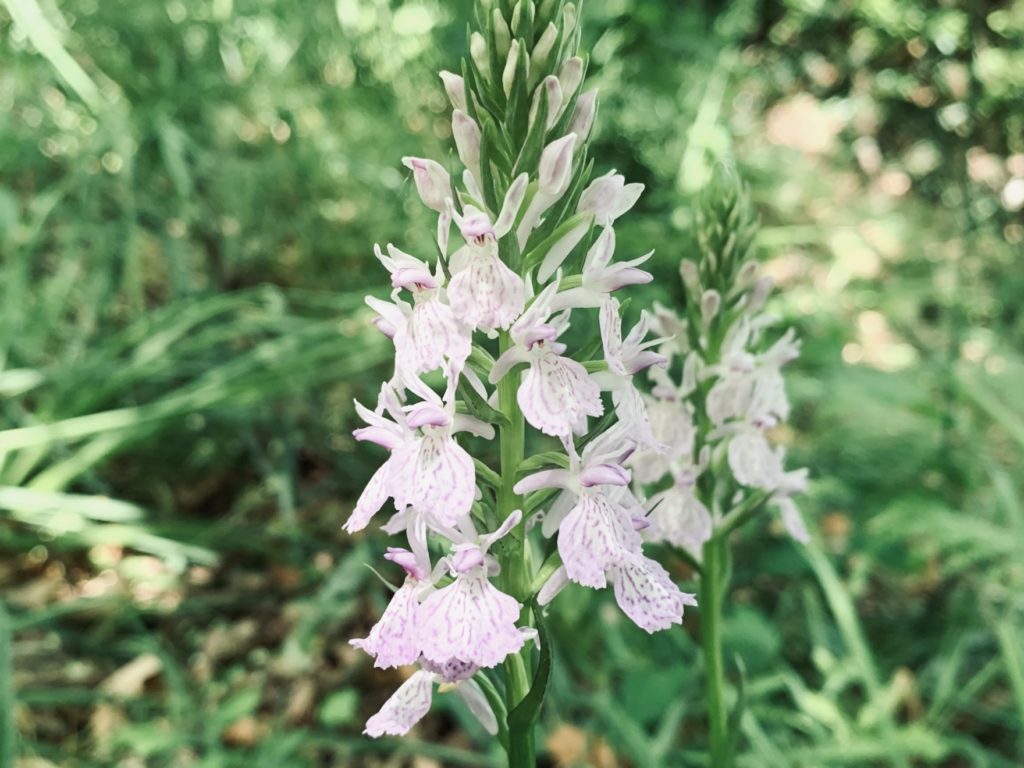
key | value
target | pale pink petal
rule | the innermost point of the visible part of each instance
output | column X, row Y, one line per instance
column 470, row 693
column 792, row 519
column 393, row 641
column 436, row 476
column 487, row 294
column 556, row 394
column 647, row 595
column 404, row 709
column 632, row 412
column 510, row 207
column 611, row 335
column 681, row 519
column 370, row 500
column 558, row 581
column 730, row 397
column 470, row 620
column 432, row 337
column 753, row 462
column 546, row 478
column 595, row 536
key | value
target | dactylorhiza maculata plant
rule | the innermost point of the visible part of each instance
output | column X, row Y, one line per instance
column 535, row 247
column 713, row 406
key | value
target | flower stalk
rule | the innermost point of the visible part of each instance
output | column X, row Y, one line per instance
column 719, row 470
column 526, row 244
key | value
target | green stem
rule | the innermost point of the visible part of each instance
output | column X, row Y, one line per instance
column 713, row 585
column 514, row 566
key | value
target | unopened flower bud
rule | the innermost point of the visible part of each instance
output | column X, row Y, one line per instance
column 569, row 19
column 478, row 50
column 582, row 119
column 747, row 274
column 455, row 87
column 710, row 303
column 467, row 139
column 570, row 75
column 759, row 293
column 556, row 166
column 517, row 13
column 553, row 93
column 508, row 76
column 502, row 36
column 542, row 49
column 546, row 8
column 432, row 181
column 691, row 277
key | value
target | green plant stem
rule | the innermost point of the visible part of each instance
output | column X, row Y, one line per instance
column 714, row 584
column 514, row 566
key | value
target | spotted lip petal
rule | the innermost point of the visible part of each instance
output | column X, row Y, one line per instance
column 431, row 337
column 394, row 640
column 470, row 620
column 556, row 394
column 646, row 593
column 486, row 293
column 681, row 519
column 406, row 707
column 595, row 536
column 436, row 475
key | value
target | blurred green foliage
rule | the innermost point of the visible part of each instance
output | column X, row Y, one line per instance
column 189, row 191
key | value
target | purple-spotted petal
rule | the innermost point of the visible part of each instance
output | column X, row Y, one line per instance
column 404, row 709
column 556, row 394
column 595, row 536
column 647, row 595
column 432, row 336
column 487, row 294
column 394, row 640
column 470, row 620
column 435, row 475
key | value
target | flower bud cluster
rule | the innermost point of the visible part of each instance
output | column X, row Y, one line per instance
column 533, row 246
column 716, row 416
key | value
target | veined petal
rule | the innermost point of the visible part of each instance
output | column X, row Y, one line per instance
column 487, row 294
column 405, row 708
column 438, row 479
column 594, row 537
column 370, row 500
column 394, row 641
column 611, row 335
column 470, row 620
column 556, row 393
column 646, row 593
column 432, row 337
column 681, row 519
